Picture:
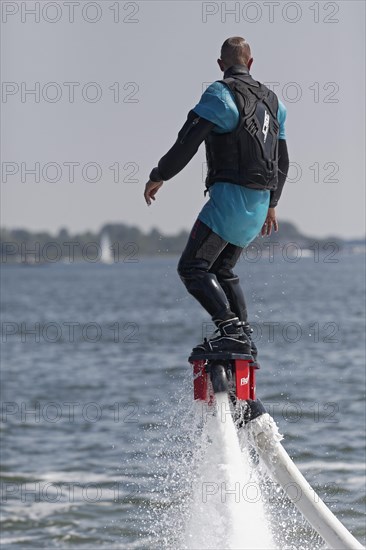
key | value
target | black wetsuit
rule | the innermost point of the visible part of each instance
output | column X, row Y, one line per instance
column 206, row 265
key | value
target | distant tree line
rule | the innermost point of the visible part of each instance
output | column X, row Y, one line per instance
column 23, row 246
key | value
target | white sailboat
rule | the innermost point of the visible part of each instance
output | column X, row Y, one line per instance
column 106, row 250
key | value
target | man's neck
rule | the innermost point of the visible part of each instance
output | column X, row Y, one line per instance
column 236, row 69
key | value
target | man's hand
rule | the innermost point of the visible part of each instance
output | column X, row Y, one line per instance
column 151, row 188
column 271, row 222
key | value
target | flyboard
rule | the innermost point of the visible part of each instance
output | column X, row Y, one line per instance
column 234, row 374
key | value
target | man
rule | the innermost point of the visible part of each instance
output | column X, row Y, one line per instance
column 242, row 124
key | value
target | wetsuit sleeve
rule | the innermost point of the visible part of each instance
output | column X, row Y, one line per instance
column 281, row 117
column 192, row 134
column 283, row 165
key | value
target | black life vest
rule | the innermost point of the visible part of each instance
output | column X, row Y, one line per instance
column 248, row 155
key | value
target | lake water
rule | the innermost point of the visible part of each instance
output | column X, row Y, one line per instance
column 100, row 439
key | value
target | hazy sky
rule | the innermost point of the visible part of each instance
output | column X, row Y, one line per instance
column 114, row 82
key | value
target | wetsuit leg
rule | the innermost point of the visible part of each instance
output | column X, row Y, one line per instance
column 202, row 250
column 230, row 283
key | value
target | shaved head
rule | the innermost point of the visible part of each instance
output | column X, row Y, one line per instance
column 235, row 51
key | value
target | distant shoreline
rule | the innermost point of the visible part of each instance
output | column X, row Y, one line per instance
column 120, row 243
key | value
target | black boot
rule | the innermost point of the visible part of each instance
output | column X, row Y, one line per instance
column 231, row 338
column 253, row 348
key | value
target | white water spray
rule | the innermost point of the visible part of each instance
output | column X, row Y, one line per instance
column 220, row 492
column 226, row 511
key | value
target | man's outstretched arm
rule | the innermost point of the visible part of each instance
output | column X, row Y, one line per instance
column 192, row 134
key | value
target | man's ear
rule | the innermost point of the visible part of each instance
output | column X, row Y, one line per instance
column 221, row 65
column 249, row 64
